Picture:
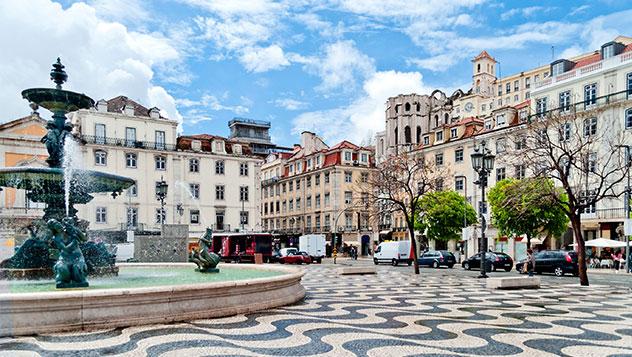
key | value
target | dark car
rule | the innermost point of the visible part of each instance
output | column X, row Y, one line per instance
column 296, row 258
column 558, row 262
column 495, row 261
column 437, row 258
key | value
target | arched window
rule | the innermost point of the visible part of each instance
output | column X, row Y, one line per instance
column 628, row 118
column 407, row 134
column 418, row 134
column 397, row 109
column 478, row 69
column 436, row 120
column 407, row 107
column 100, row 158
column 446, row 118
column 382, row 146
column 396, row 138
column 418, row 107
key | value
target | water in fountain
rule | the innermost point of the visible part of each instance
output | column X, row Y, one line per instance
column 72, row 160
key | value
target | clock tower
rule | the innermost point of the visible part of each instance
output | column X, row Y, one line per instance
column 483, row 74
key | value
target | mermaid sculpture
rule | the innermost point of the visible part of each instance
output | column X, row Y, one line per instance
column 71, row 269
column 205, row 261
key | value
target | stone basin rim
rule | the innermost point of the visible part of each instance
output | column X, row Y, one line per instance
column 290, row 274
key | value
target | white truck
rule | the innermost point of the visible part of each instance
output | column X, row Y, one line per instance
column 393, row 252
column 313, row 245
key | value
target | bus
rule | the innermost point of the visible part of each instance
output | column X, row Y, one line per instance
column 242, row 247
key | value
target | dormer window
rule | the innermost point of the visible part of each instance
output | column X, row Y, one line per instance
column 196, row 145
column 102, row 105
column 500, row 119
column 611, row 49
column 364, row 157
column 318, row 160
column 154, row 113
column 237, row 149
column 128, row 109
column 348, row 155
column 426, row 140
column 439, row 136
column 488, row 124
column 453, row 133
column 218, row 146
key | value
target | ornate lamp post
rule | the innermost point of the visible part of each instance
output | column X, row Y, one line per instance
column 161, row 193
column 483, row 163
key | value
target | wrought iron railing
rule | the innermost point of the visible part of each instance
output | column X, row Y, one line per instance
column 220, row 227
column 611, row 213
column 91, row 139
column 583, row 106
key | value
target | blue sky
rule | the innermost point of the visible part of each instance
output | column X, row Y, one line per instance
column 326, row 66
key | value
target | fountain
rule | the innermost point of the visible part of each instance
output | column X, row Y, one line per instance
column 141, row 293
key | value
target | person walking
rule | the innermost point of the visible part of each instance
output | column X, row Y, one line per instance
column 530, row 262
column 617, row 258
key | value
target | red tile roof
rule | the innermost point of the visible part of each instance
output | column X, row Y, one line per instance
column 116, row 105
column 484, row 54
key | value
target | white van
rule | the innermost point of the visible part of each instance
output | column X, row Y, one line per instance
column 393, row 252
column 313, row 245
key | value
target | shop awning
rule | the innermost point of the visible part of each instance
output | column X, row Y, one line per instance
column 385, row 232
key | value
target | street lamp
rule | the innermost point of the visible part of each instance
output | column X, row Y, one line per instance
column 482, row 163
column 161, row 193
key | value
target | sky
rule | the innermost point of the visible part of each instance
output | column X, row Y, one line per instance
column 327, row 66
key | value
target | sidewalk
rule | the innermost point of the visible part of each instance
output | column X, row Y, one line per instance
column 607, row 271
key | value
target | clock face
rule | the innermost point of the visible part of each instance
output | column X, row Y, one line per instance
column 468, row 107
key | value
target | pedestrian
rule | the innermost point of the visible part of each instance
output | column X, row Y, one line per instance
column 617, row 258
column 355, row 253
column 530, row 263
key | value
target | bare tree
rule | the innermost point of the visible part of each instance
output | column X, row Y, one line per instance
column 580, row 155
column 398, row 184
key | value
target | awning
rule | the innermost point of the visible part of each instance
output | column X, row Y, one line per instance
column 385, row 232
column 603, row 243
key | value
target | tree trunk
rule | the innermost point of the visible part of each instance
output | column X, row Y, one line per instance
column 581, row 250
column 528, row 241
column 413, row 245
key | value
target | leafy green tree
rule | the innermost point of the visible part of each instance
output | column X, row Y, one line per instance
column 443, row 214
column 527, row 207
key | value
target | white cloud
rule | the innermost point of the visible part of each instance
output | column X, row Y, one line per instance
column 578, row 10
column 211, row 102
column 524, row 12
column 263, row 59
column 103, row 59
column 290, row 104
column 365, row 115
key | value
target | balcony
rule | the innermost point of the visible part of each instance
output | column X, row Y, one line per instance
column 91, row 139
column 611, row 213
column 584, row 106
column 220, row 227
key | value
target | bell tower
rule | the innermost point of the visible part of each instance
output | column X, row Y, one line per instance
column 483, row 74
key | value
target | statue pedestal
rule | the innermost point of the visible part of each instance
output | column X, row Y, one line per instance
column 71, row 285
column 209, row 270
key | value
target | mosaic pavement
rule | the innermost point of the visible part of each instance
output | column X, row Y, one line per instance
column 383, row 315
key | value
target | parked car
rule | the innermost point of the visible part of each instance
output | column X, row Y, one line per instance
column 437, row 258
column 277, row 254
column 296, row 258
column 393, row 252
column 558, row 262
column 495, row 261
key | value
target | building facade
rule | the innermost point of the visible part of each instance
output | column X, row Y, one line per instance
column 314, row 189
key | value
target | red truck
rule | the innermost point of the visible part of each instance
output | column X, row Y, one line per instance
column 242, row 247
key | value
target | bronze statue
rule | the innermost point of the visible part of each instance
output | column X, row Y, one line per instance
column 71, row 269
column 205, row 260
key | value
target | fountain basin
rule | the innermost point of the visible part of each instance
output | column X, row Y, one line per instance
column 29, row 313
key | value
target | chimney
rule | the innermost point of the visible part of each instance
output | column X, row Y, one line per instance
column 308, row 141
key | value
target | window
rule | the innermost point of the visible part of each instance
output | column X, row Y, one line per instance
column 516, row 98
column 99, row 133
column 500, row 119
column 102, row 215
column 298, row 203
column 453, row 133
column 194, row 190
column 161, row 216
column 590, row 95
column 458, row 155
column 565, row 101
column 194, row 216
column 426, row 140
column 520, row 143
column 439, row 159
column 298, row 184
column 326, row 177
column 592, row 162
column 459, row 184
column 219, row 167
column 317, row 222
column 243, row 193
column 308, row 181
column 348, row 177
column 309, row 164
column 160, row 139
column 407, row 135
column 487, row 124
column 607, row 52
column 290, row 186
column 316, row 181
column 130, row 160
column 161, row 162
column 219, row 192
column 590, row 126
column 628, row 118
column 557, row 69
column 132, row 217
column 243, row 169
column 527, row 95
column 348, row 197
column 243, row 217
column 284, row 206
column 364, row 177
column 439, row 136
column 527, row 82
column 507, row 87
column 194, row 165
column 364, row 157
column 629, row 84
column 317, row 201
column 327, row 200
column 284, row 187
column 100, row 158
column 132, row 191
column 519, row 171
column 291, row 205
column 318, row 160
column 130, row 137
column 517, row 85
column 500, row 146
column 536, row 78
column 540, row 106
column 500, row 174
column 308, row 202
column 348, row 155
column 565, row 131
column 439, row 184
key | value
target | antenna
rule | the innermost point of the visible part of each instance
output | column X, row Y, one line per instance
column 552, row 53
